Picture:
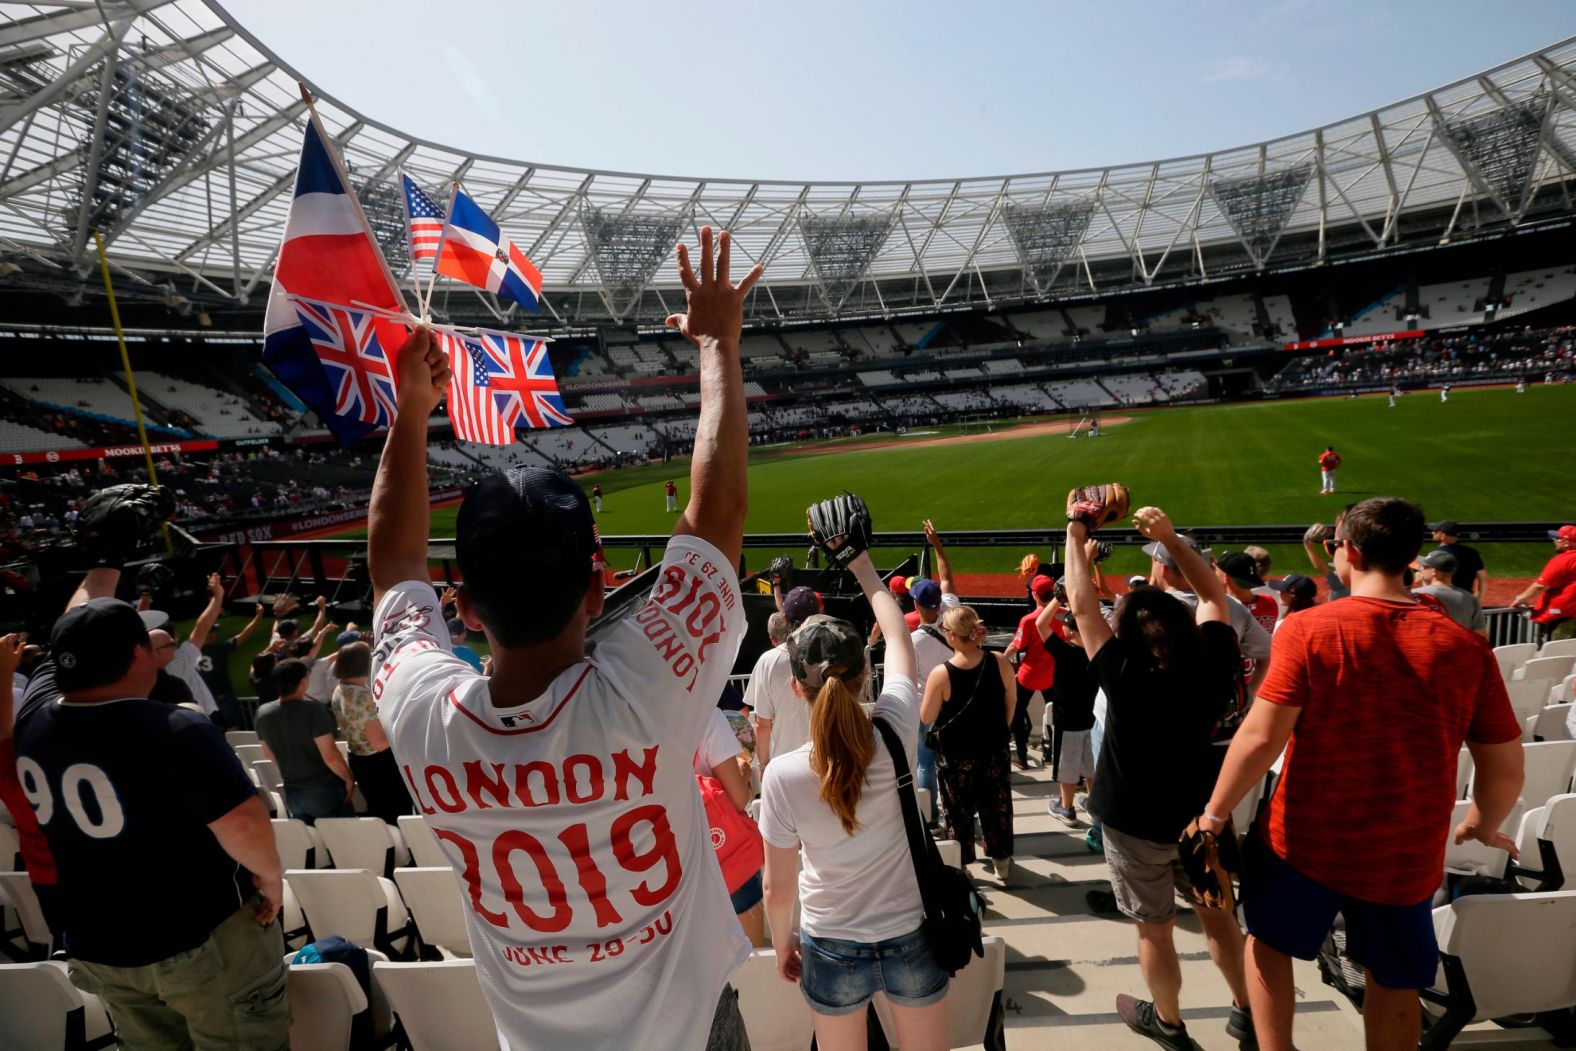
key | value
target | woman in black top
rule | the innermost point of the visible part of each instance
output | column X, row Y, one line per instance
column 970, row 699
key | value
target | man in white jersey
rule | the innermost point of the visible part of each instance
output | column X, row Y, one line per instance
column 561, row 788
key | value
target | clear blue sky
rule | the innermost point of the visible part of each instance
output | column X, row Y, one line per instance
column 861, row 89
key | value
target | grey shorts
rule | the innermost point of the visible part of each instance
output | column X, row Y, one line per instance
column 1147, row 877
column 1072, row 756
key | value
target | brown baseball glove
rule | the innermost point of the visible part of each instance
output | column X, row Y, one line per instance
column 1098, row 505
column 1210, row 861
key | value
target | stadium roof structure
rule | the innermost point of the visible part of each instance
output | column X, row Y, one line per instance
column 166, row 126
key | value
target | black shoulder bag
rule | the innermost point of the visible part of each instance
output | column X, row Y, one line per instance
column 952, row 905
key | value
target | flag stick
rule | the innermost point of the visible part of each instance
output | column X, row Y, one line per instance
column 131, row 380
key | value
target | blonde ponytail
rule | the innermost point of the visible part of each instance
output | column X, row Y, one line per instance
column 842, row 745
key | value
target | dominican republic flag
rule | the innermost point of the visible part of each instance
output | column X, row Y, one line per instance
column 329, row 255
column 500, row 382
column 475, row 251
column 423, row 221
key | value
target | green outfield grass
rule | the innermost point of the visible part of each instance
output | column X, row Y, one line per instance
column 1486, row 455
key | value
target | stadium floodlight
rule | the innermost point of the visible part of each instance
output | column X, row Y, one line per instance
column 1046, row 235
column 627, row 249
column 1501, row 148
column 1259, row 206
column 841, row 249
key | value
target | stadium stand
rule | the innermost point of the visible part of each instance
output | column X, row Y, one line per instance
column 210, row 411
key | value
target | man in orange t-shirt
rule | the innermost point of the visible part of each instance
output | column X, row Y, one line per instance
column 1329, row 460
column 1380, row 691
column 1553, row 595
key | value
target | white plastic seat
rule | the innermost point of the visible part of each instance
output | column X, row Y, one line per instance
column 40, row 1010
column 1528, row 724
column 1527, row 696
column 1514, row 656
column 16, row 890
column 422, row 844
column 240, row 737
column 975, row 1012
column 251, row 753
column 440, row 1004
column 324, row 1000
column 299, row 845
column 1551, row 669
column 776, row 1017
column 436, row 903
column 355, row 903
column 1550, row 766
column 951, row 852
column 1559, row 648
column 1476, row 858
column 1564, row 692
column 1552, row 723
column 1548, row 837
column 268, row 775
column 927, row 811
column 10, row 849
column 1463, row 773
column 292, row 920
column 1502, row 955
column 363, row 843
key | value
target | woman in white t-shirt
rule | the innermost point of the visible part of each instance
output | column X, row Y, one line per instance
column 836, row 800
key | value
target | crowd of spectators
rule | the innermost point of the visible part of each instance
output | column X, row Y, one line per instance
column 1185, row 700
column 1528, row 355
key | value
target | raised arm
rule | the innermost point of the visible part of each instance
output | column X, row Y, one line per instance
column 1153, row 523
column 251, row 626
column 1310, row 543
column 10, row 656
column 399, row 516
column 210, row 614
column 943, row 566
column 713, row 321
column 99, row 583
column 900, row 645
column 1082, row 598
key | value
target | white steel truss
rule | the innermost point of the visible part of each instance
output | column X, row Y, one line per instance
column 169, row 128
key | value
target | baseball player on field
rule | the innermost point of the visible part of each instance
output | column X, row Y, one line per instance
column 1329, row 460
column 561, row 788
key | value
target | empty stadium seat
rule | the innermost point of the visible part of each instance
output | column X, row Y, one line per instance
column 251, row 753
column 1550, row 668
column 1547, row 839
column 1527, row 696
column 31, row 940
column 292, row 920
column 437, row 906
column 776, row 1017
column 324, row 1000
column 440, row 1006
column 1514, row 656
column 951, row 852
column 975, row 1013
column 1553, row 723
column 1550, row 766
column 363, row 843
column 1463, row 773
column 240, row 737
column 299, row 845
column 423, row 845
column 268, row 774
column 10, row 850
column 354, row 903
column 926, row 806
column 1559, row 648
column 40, row 1010
column 1502, row 955
column 1475, row 858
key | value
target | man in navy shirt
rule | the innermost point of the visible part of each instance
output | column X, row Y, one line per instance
column 169, row 880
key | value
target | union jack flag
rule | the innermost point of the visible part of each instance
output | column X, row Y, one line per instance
column 354, row 359
column 501, row 382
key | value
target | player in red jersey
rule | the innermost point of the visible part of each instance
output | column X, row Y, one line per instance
column 1329, row 460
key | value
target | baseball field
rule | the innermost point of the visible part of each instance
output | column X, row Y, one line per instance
column 1488, row 455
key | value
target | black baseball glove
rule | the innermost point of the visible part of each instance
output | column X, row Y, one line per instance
column 840, row 527
column 115, row 521
column 1210, row 861
column 154, row 576
column 780, row 572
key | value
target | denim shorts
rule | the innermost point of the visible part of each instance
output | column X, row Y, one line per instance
column 748, row 895
column 839, row 977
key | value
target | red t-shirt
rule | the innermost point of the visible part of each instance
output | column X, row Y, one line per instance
column 1559, row 602
column 1329, row 461
column 911, row 618
column 1037, row 670
column 1389, row 691
column 1265, row 610
column 672, row 490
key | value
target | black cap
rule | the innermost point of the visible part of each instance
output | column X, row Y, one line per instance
column 1296, row 584
column 1447, row 527
column 93, row 643
column 1240, row 567
column 825, row 645
column 526, row 513
column 1441, row 560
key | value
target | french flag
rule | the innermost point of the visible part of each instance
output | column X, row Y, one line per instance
column 475, row 251
column 329, row 255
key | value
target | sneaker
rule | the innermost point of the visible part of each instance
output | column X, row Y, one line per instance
column 1141, row 1018
column 1003, row 867
column 1094, row 841
column 1065, row 814
column 1239, row 1026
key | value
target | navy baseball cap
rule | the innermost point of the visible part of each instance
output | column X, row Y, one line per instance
column 345, row 638
column 525, row 514
column 926, row 593
column 1241, row 568
column 1447, row 527
column 93, row 643
column 800, row 604
column 1295, row 584
column 825, row 645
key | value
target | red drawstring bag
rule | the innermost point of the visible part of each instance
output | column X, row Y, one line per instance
column 734, row 836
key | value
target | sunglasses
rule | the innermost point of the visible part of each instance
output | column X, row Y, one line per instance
column 1331, row 546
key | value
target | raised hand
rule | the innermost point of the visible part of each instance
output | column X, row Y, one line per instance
column 10, row 656
column 1488, row 837
column 423, row 372
column 932, row 537
column 713, row 305
column 1153, row 523
column 215, row 585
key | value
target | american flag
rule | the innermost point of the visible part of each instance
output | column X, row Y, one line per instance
column 423, row 220
column 354, row 359
column 501, row 382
